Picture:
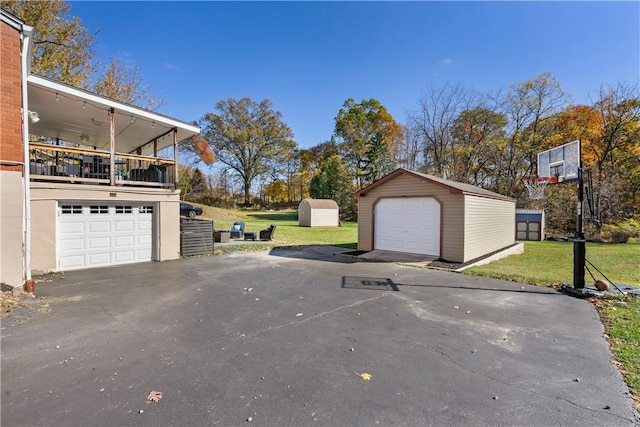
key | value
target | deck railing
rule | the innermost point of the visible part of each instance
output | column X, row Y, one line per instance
column 78, row 165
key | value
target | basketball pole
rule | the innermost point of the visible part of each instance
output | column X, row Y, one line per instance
column 579, row 242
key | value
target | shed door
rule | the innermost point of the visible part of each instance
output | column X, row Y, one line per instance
column 409, row 225
column 97, row 235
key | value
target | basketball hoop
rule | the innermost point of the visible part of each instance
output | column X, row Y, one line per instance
column 536, row 186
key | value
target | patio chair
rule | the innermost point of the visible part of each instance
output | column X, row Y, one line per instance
column 267, row 233
column 237, row 231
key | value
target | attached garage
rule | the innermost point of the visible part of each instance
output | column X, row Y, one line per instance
column 318, row 213
column 99, row 234
column 411, row 212
column 86, row 226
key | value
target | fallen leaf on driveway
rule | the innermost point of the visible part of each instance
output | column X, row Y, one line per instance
column 364, row 376
column 154, row 396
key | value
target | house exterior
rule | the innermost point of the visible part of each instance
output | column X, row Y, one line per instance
column 96, row 187
column 318, row 213
column 411, row 212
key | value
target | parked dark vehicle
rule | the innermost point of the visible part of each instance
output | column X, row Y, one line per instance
column 189, row 210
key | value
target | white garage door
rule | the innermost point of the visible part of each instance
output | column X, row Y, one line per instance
column 409, row 225
column 96, row 235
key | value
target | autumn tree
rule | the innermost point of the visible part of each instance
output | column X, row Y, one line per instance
column 527, row 106
column 616, row 146
column 248, row 137
column 334, row 182
column 477, row 142
column 62, row 47
column 63, row 51
column 355, row 126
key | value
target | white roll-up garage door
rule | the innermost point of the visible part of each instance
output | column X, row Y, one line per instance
column 97, row 234
column 409, row 225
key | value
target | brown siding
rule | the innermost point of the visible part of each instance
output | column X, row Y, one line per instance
column 489, row 226
column 10, row 97
column 410, row 186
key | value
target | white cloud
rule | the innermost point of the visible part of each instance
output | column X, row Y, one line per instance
column 446, row 61
column 170, row 66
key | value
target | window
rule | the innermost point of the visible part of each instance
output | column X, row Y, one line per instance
column 145, row 209
column 99, row 209
column 124, row 209
column 71, row 209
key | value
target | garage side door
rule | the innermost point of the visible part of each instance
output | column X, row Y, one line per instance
column 409, row 225
column 98, row 235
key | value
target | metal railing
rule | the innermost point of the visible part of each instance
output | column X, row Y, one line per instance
column 78, row 165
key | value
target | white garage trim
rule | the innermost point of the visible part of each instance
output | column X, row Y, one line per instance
column 408, row 224
column 98, row 234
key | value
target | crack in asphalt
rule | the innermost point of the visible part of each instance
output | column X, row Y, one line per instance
column 307, row 319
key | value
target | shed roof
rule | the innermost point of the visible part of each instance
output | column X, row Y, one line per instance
column 321, row 203
column 453, row 186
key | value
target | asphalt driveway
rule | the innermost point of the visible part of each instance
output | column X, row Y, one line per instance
column 284, row 338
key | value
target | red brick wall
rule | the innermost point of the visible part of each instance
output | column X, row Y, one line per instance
column 10, row 97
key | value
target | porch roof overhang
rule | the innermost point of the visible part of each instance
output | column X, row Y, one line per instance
column 78, row 116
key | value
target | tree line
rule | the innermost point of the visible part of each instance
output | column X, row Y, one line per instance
column 490, row 140
column 487, row 139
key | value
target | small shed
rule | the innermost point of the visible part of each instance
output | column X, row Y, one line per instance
column 530, row 224
column 318, row 213
column 411, row 212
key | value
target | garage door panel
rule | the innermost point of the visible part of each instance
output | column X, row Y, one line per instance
column 71, row 262
column 122, row 226
column 144, row 240
column 91, row 237
column 99, row 243
column 100, row 259
column 122, row 257
column 73, row 244
column 99, row 226
column 408, row 225
column 123, row 241
column 144, row 225
column 73, row 227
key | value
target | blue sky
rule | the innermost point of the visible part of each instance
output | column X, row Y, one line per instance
column 309, row 57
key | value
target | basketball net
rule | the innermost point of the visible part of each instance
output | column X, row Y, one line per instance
column 536, row 186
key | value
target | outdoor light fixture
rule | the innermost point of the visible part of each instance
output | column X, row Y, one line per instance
column 34, row 117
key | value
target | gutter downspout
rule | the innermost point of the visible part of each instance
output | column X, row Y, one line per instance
column 25, row 35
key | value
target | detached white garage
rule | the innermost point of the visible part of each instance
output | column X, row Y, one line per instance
column 411, row 212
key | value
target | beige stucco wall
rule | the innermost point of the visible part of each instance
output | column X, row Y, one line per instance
column 44, row 202
column 11, row 229
column 452, row 221
column 489, row 225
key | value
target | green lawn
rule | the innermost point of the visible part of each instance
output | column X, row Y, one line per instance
column 551, row 263
column 543, row 264
column 288, row 232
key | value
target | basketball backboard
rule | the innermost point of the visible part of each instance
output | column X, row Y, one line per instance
column 562, row 162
